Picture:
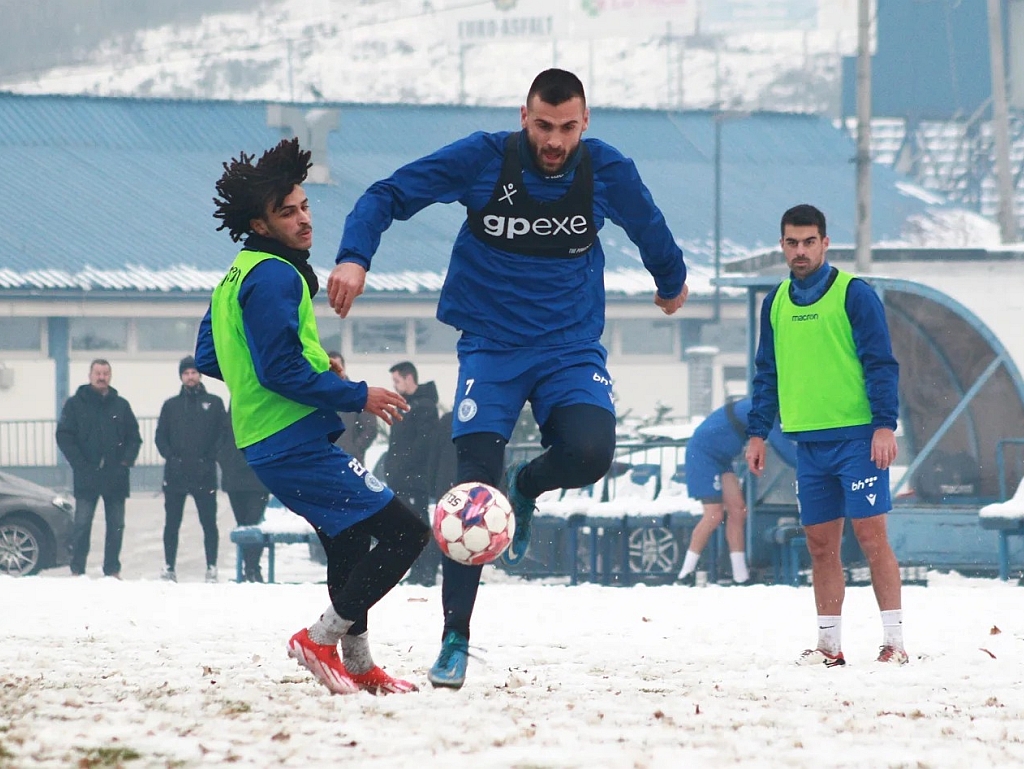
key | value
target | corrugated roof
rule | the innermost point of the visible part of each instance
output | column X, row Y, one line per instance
column 117, row 193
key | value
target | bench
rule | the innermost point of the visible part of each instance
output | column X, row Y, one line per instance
column 1006, row 527
column 1007, row 518
column 255, row 535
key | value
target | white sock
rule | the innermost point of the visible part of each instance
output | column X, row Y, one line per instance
column 355, row 651
column 329, row 629
column 739, row 566
column 689, row 564
column 892, row 628
column 830, row 632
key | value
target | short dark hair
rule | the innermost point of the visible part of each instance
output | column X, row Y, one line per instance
column 247, row 189
column 405, row 368
column 99, row 362
column 556, row 86
column 803, row 215
column 338, row 355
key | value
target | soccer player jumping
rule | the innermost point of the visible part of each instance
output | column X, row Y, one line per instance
column 525, row 286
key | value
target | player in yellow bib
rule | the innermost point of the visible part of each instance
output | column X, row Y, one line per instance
column 824, row 361
column 260, row 337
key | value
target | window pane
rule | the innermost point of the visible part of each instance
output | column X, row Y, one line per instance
column 606, row 337
column 330, row 334
column 378, row 336
column 167, row 334
column 435, row 336
column 99, row 334
column 648, row 337
column 728, row 336
column 21, row 334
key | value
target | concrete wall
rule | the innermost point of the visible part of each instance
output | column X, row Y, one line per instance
column 639, row 385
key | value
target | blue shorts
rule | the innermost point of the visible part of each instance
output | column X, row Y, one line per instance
column 836, row 479
column 324, row 485
column 494, row 385
column 704, row 473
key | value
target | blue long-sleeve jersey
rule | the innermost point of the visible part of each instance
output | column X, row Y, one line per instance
column 721, row 438
column 506, row 297
column 269, row 297
column 874, row 350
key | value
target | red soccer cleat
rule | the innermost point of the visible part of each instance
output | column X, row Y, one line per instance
column 323, row 662
column 893, row 656
column 376, row 681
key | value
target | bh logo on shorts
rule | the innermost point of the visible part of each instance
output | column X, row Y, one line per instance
column 866, row 483
column 467, row 409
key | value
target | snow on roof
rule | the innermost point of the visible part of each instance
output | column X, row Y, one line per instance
column 61, row 156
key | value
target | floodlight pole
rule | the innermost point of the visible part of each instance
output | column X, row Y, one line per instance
column 719, row 117
column 862, row 253
column 1000, row 127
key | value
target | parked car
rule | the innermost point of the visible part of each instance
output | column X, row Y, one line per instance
column 35, row 527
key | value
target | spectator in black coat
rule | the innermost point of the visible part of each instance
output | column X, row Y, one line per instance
column 248, row 497
column 360, row 426
column 188, row 435
column 408, row 458
column 99, row 436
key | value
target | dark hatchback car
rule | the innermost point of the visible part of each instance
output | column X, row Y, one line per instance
column 35, row 527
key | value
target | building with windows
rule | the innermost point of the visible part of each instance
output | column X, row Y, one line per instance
column 109, row 250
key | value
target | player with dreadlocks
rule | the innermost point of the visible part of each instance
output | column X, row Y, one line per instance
column 260, row 337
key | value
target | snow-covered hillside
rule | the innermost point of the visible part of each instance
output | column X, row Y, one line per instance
column 404, row 51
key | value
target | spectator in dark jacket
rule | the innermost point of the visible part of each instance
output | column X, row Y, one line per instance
column 360, row 426
column 188, row 434
column 408, row 458
column 99, row 436
column 248, row 497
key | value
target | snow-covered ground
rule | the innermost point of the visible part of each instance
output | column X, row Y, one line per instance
column 139, row 673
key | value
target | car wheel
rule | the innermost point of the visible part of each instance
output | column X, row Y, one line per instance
column 22, row 547
column 653, row 550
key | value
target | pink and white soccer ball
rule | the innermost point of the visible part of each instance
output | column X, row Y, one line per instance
column 473, row 523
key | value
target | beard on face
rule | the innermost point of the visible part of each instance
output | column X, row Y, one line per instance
column 544, row 163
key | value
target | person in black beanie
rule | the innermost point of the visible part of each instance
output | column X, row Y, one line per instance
column 188, row 435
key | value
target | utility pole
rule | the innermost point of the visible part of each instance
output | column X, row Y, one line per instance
column 462, row 72
column 1000, row 127
column 862, row 253
column 291, row 77
column 719, row 118
column 668, row 64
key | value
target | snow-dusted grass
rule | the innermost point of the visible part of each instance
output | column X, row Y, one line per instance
column 97, row 672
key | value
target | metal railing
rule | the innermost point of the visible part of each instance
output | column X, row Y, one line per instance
column 33, row 443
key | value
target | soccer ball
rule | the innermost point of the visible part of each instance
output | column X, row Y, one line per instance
column 473, row 523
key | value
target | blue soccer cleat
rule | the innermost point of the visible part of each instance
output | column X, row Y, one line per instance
column 522, row 507
column 450, row 669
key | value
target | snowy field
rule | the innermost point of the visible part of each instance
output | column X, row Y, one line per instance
column 96, row 672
